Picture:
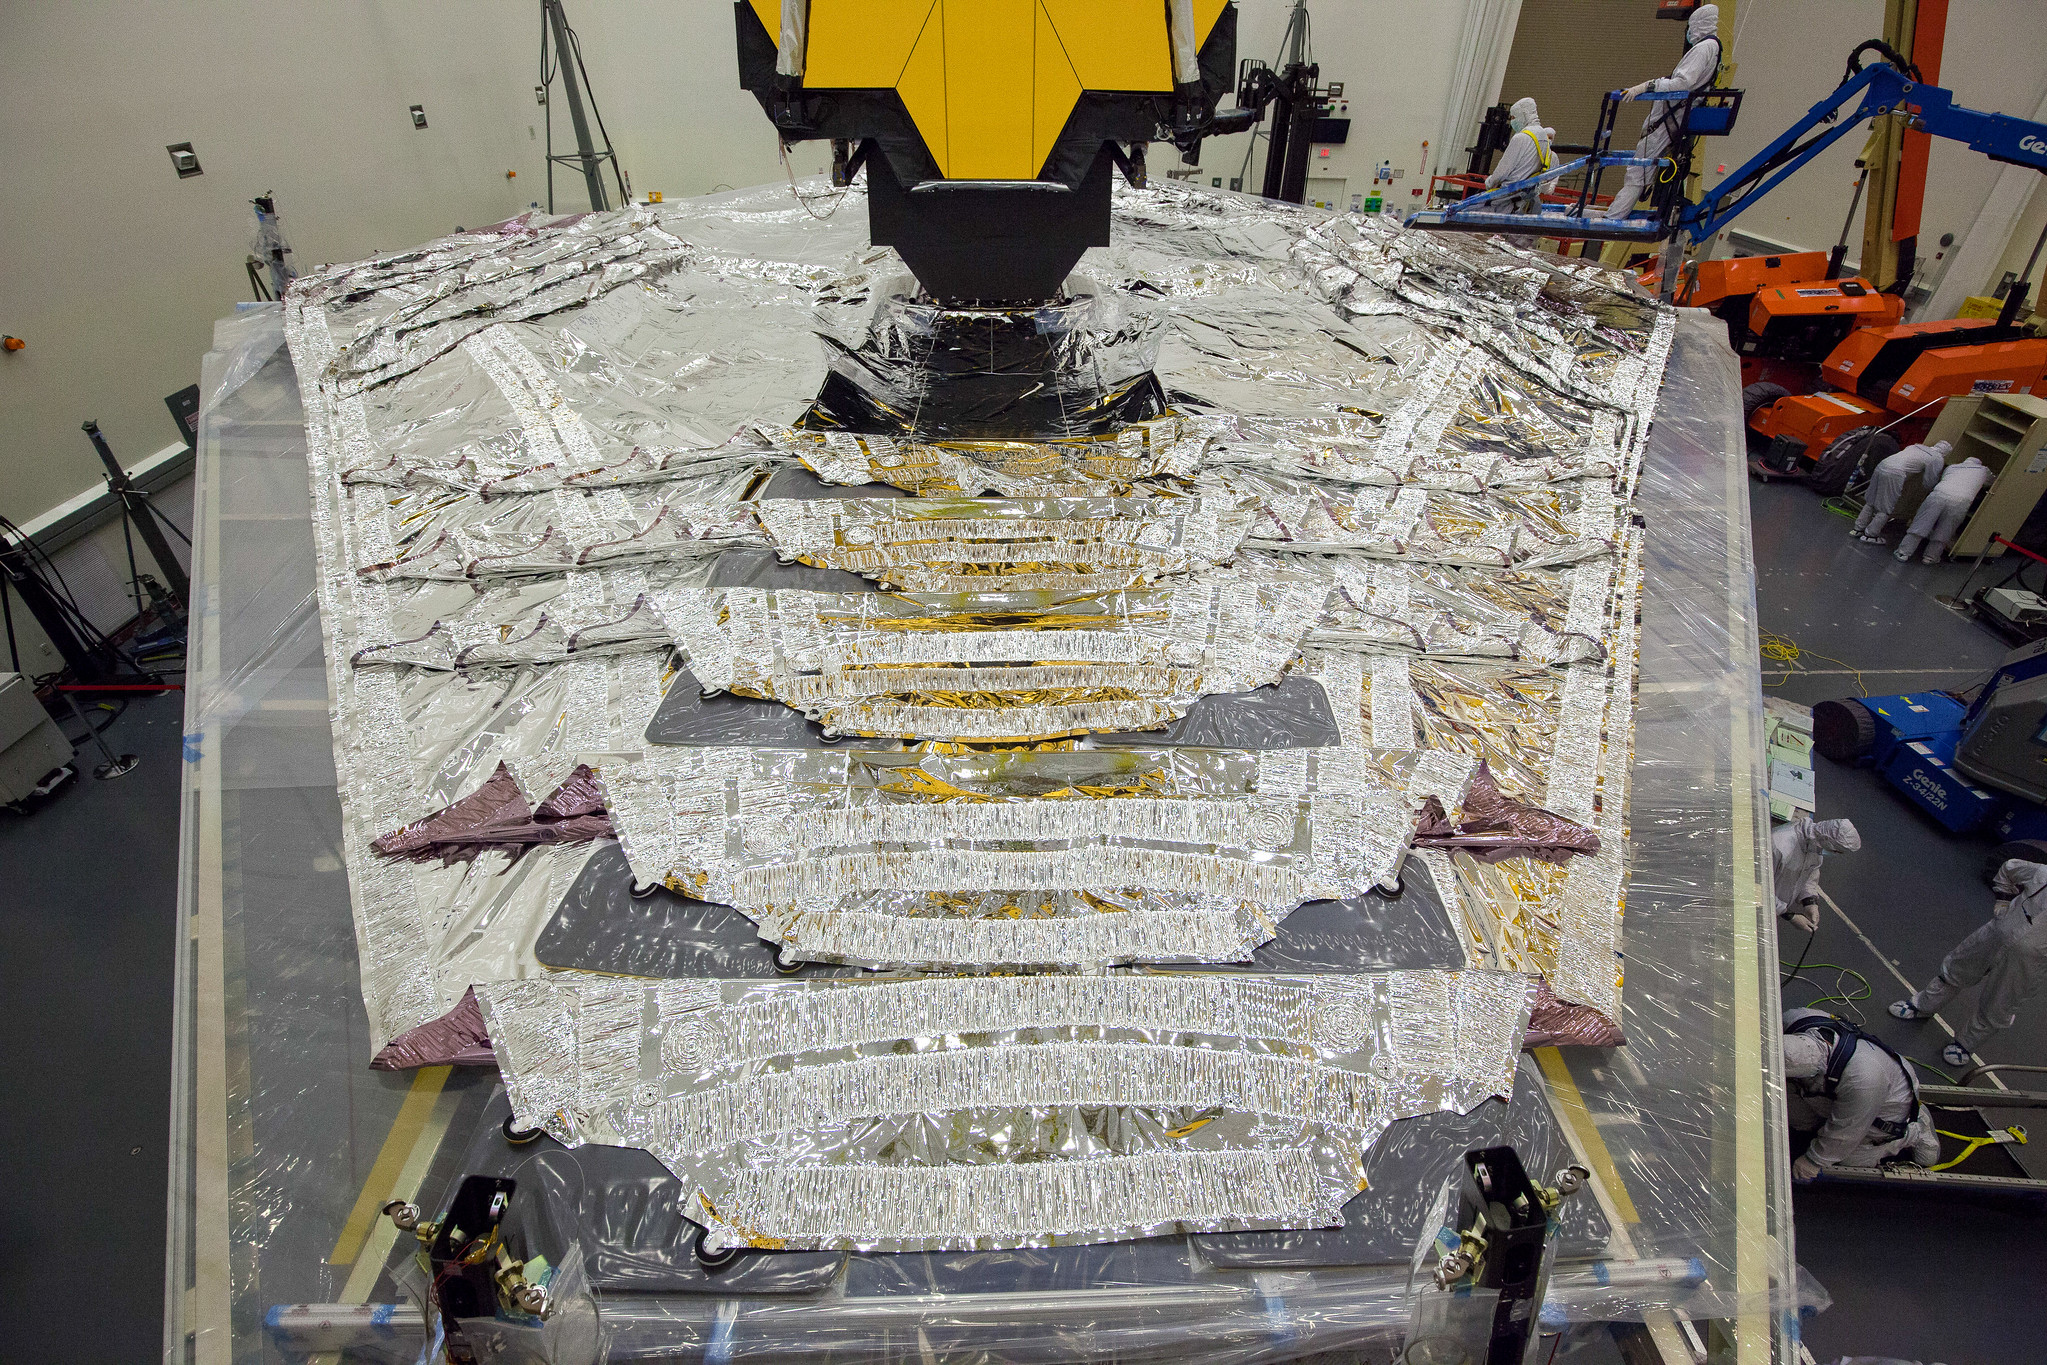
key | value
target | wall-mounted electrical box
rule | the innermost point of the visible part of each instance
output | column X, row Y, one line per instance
column 185, row 159
column 419, row 116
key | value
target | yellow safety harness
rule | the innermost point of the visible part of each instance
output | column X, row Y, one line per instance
column 1543, row 159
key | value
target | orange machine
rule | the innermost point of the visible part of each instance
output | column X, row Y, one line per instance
column 1882, row 374
column 1783, row 313
column 1804, row 321
column 1712, row 284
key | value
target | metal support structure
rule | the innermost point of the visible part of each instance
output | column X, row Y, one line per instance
column 117, row 765
column 1897, row 152
column 1976, row 1097
column 1840, row 251
column 2015, row 294
column 1296, row 101
column 1293, row 125
column 138, row 509
column 1953, row 1097
column 588, row 157
column 89, row 656
column 1908, row 1174
column 1501, row 1239
column 1494, row 132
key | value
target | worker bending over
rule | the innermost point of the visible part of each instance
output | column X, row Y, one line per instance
column 1858, row 1099
column 1944, row 511
column 1695, row 71
column 1796, row 851
column 2008, row 955
column 1887, row 485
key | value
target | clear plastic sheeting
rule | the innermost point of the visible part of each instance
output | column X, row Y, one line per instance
column 283, row 1131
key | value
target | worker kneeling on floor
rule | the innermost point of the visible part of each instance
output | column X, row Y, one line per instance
column 1796, row 852
column 1854, row 1099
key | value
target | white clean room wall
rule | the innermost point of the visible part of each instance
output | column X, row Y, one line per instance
column 667, row 74
column 116, row 268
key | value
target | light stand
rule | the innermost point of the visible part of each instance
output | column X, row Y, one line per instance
column 136, row 508
column 556, row 33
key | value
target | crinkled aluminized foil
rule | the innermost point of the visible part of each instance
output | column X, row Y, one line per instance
column 984, row 1112
column 528, row 443
column 1562, row 921
column 1021, row 858
column 1162, row 447
column 940, row 544
column 1447, row 611
column 997, row 666
column 1528, row 528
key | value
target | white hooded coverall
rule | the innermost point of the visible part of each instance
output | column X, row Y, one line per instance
column 1695, row 71
column 1869, row 1118
column 1944, row 510
column 2008, row 955
column 1795, row 853
column 1527, row 154
column 1887, row 483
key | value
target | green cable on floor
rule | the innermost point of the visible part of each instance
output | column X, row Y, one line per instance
column 1865, row 993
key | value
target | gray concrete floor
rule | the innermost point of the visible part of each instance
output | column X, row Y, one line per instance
column 90, row 901
column 1915, row 1274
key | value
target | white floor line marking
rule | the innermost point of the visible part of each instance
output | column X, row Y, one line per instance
column 1864, row 672
column 1893, row 967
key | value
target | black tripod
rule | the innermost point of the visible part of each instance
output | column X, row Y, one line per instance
column 138, row 512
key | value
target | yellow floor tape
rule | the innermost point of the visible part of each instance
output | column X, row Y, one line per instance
column 377, row 1187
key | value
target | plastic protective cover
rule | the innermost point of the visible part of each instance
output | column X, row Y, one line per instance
column 274, row 1102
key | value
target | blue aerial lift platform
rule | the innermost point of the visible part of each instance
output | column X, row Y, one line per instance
column 1883, row 89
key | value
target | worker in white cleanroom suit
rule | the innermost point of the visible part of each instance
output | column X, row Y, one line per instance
column 1857, row 1098
column 1795, row 853
column 2008, row 955
column 1944, row 511
column 1887, row 485
column 1695, row 71
column 1527, row 154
